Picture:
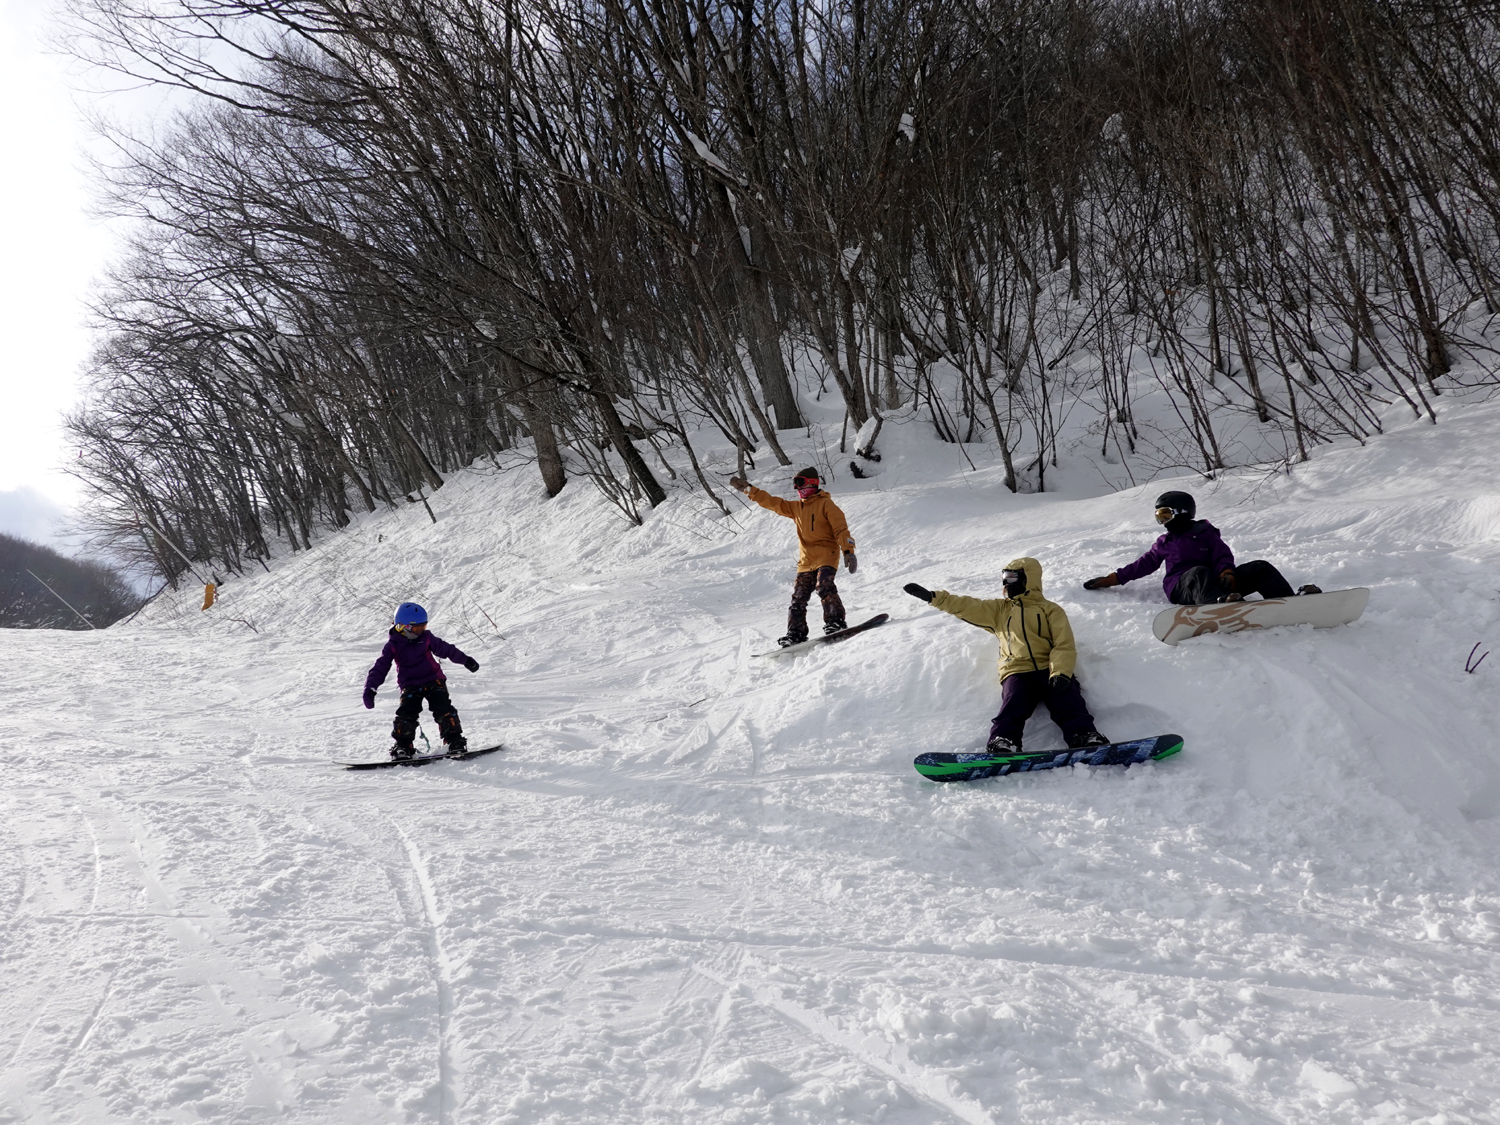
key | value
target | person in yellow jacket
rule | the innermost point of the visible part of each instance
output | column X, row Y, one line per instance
column 822, row 532
column 1037, row 656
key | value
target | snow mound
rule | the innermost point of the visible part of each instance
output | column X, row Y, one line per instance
column 701, row 887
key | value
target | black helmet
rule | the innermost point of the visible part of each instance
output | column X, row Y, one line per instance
column 1174, row 506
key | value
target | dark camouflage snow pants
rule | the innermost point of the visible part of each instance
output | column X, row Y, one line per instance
column 807, row 581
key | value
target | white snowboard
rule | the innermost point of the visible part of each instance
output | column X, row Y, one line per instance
column 1321, row 611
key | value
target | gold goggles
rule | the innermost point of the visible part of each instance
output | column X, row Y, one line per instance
column 1167, row 515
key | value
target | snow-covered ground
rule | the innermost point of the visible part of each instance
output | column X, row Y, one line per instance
column 704, row 888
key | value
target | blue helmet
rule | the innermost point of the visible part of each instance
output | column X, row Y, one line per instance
column 410, row 613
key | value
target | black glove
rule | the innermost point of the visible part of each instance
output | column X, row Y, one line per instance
column 1102, row 582
column 918, row 591
column 850, row 561
column 471, row 664
column 1060, row 682
column 370, row 698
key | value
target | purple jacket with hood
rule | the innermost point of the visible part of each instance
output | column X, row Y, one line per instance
column 416, row 661
column 1198, row 545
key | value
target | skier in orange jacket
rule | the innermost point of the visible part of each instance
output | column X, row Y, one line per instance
column 822, row 532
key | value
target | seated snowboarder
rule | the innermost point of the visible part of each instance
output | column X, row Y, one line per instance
column 419, row 677
column 822, row 531
column 1200, row 565
column 1037, row 655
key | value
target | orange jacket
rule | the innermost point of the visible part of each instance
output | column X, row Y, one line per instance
column 822, row 530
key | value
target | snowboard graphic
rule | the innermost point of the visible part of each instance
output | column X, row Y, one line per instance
column 419, row 760
column 972, row 767
column 1321, row 611
column 791, row 650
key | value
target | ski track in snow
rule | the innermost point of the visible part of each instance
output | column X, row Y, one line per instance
column 702, row 888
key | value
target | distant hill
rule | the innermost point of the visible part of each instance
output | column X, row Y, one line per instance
column 96, row 591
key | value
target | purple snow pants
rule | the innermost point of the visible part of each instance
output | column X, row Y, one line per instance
column 1020, row 692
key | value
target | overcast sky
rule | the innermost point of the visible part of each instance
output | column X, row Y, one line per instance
column 52, row 249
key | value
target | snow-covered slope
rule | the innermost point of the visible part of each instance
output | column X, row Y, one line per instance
column 700, row 887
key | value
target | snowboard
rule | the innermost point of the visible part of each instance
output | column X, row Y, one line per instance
column 843, row 634
column 972, row 767
column 1321, row 611
column 420, row 759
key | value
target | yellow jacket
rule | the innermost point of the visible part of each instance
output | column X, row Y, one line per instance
column 1034, row 633
column 822, row 530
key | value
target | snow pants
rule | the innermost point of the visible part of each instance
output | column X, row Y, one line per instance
column 435, row 692
column 1200, row 586
column 833, row 607
column 1020, row 692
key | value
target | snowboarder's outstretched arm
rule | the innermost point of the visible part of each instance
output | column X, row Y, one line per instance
column 1148, row 563
column 439, row 647
column 772, row 503
column 983, row 612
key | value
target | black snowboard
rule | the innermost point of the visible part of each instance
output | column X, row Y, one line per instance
column 419, row 760
column 841, row 635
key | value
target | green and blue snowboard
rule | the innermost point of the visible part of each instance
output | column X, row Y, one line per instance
column 972, row 767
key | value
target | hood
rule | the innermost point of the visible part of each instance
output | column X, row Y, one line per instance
column 1033, row 571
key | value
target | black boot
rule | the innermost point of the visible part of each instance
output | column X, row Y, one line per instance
column 1086, row 740
column 831, row 627
column 791, row 639
column 404, row 736
column 453, row 733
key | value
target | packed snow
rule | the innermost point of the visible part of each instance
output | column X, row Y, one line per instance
column 702, row 887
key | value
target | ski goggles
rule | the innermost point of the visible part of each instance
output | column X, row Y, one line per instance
column 1167, row 515
column 411, row 632
column 1012, row 577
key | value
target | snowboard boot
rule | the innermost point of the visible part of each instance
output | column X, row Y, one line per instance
column 1087, row 740
column 791, row 639
column 404, row 734
column 452, row 731
column 1002, row 745
column 832, row 627
column 1309, row 589
column 1232, row 598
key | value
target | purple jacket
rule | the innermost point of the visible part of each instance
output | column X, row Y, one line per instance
column 1199, row 545
column 416, row 661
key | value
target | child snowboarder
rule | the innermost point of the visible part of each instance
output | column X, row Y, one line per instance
column 419, row 677
column 1037, row 656
column 822, row 531
column 1200, row 565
